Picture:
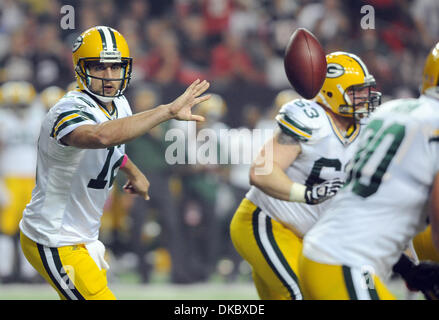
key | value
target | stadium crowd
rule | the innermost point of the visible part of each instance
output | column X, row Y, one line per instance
column 183, row 230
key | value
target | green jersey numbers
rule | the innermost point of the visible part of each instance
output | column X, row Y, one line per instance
column 314, row 177
column 307, row 108
column 373, row 157
column 100, row 182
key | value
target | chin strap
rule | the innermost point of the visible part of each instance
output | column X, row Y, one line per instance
column 99, row 97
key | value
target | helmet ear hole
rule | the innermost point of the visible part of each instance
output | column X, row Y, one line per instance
column 329, row 94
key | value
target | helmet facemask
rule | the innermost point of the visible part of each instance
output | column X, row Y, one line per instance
column 361, row 100
column 83, row 71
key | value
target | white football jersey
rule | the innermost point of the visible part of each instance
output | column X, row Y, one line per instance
column 18, row 142
column 325, row 153
column 72, row 184
column 382, row 207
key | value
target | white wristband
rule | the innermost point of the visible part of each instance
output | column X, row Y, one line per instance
column 297, row 192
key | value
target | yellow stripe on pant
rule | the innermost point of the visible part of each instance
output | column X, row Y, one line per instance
column 70, row 270
column 320, row 281
column 270, row 248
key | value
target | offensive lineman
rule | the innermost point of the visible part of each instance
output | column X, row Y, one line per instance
column 80, row 149
column 350, row 251
column 308, row 154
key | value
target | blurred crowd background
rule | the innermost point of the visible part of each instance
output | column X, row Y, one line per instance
column 181, row 234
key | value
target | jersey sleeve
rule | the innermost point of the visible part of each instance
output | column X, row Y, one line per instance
column 68, row 117
column 126, row 107
column 300, row 119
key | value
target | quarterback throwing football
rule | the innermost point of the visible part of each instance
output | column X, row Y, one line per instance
column 80, row 150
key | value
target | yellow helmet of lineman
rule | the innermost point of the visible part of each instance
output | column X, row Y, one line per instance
column 51, row 95
column 347, row 74
column 430, row 78
column 17, row 93
column 104, row 45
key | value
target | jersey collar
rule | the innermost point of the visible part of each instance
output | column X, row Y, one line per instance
column 111, row 116
column 350, row 135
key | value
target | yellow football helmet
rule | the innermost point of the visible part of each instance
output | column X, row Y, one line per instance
column 346, row 75
column 430, row 78
column 51, row 95
column 103, row 45
column 17, row 93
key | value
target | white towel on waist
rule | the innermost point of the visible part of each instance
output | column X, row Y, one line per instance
column 96, row 249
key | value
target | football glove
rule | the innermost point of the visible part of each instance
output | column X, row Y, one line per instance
column 422, row 277
column 321, row 192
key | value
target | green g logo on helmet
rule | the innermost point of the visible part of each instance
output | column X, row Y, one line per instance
column 334, row 70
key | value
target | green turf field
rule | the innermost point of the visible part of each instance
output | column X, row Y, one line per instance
column 142, row 292
column 160, row 291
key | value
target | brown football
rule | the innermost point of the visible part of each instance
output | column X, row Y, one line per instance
column 305, row 63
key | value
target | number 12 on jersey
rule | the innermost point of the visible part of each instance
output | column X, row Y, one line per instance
column 374, row 156
column 100, row 182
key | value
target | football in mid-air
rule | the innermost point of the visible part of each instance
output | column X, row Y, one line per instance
column 305, row 63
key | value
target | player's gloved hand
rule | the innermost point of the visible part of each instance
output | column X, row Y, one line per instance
column 321, row 192
column 423, row 277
